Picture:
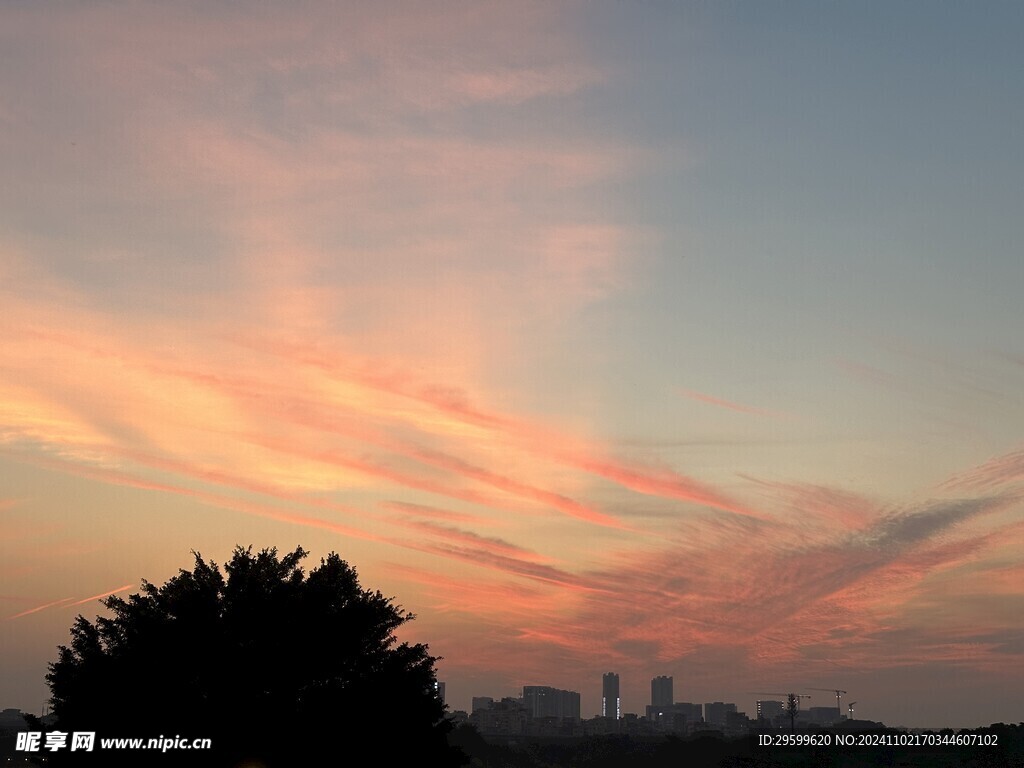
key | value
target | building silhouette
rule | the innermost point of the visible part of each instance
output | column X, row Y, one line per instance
column 481, row 702
column 715, row 712
column 507, row 717
column 821, row 715
column 545, row 701
column 661, row 692
column 770, row 710
column 611, row 704
column 692, row 712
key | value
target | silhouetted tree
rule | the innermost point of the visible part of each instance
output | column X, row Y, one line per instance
column 270, row 663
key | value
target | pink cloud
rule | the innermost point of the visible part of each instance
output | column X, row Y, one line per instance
column 664, row 483
column 490, row 544
column 700, row 397
column 870, row 374
column 821, row 507
column 999, row 471
column 515, row 86
column 486, row 557
column 219, row 500
column 542, row 440
column 484, row 599
column 431, row 512
column 555, row 500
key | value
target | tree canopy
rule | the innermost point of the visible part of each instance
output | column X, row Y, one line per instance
column 269, row 662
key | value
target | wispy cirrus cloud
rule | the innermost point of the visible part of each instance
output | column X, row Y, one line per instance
column 744, row 592
column 830, row 602
column 819, row 506
column 870, row 374
column 722, row 403
column 68, row 602
column 490, row 544
column 517, row 85
column 43, row 607
column 1004, row 470
column 431, row 512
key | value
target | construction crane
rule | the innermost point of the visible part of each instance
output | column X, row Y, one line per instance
column 792, row 704
column 838, row 693
column 849, row 707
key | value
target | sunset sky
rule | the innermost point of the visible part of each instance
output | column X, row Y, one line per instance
column 654, row 338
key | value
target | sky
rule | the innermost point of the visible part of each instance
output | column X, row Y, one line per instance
column 655, row 338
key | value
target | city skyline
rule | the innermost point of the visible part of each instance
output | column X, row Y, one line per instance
column 674, row 338
column 609, row 687
column 661, row 696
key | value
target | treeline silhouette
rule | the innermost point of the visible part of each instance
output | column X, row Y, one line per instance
column 279, row 668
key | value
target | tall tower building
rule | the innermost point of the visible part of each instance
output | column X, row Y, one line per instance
column 661, row 692
column 611, row 704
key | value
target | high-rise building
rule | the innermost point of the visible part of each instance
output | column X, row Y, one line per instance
column 692, row 712
column 680, row 717
column 482, row 702
column 507, row 717
column 822, row 715
column 661, row 691
column 439, row 690
column 769, row 710
column 715, row 712
column 544, row 701
column 611, row 704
